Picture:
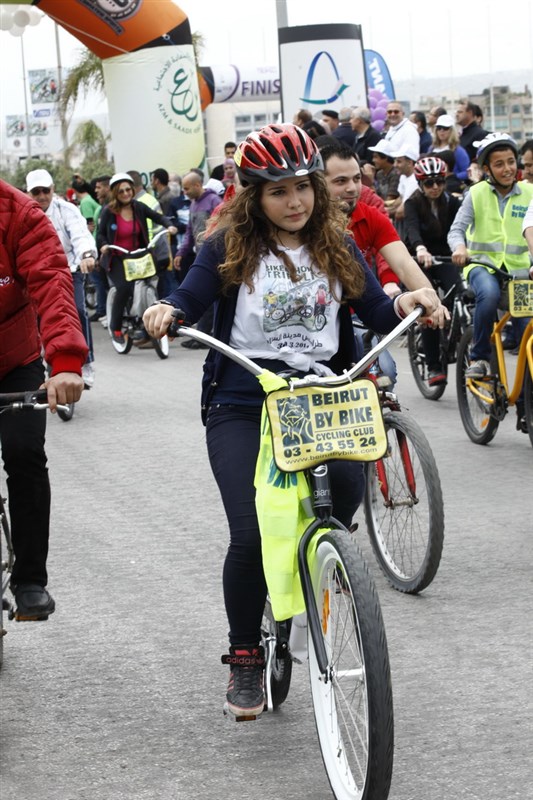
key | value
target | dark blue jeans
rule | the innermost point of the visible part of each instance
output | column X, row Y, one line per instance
column 79, row 279
column 233, row 434
column 22, row 435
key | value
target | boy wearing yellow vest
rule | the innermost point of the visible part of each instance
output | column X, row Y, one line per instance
column 487, row 232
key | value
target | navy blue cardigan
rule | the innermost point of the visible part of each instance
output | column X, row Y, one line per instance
column 203, row 286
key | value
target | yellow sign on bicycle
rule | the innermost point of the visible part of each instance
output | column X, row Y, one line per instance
column 313, row 424
column 137, row 268
column 521, row 298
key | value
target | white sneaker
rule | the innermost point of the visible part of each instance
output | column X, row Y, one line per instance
column 478, row 369
column 103, row 321
column 87, row 373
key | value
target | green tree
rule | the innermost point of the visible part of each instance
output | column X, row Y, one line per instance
column 86, row 75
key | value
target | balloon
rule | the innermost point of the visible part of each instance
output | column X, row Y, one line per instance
column 375, row 93
column 378, row 113
column 378, row 124
column 35, row 16
column 383, row 103
column 21, row 18
column 372, row 102
column 16, row 31
column 6, row 19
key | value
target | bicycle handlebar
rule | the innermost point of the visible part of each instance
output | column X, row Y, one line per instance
column 36, row 400
column 180, row 328
column 136, row 252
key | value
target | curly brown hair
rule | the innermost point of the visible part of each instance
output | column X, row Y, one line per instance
column 249, row 235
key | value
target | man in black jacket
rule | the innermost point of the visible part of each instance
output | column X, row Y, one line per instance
column 465, row 116
column 365, row 135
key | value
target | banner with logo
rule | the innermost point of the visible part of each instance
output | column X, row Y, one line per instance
column 321, row 66
column 154, row 110
column 149, row 74
column 378, row 75
column 229, row 83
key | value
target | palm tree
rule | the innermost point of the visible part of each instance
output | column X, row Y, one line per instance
column 86, row 74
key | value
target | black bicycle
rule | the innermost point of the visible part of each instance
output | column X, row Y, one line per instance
column 459, row 300
column 13, row 402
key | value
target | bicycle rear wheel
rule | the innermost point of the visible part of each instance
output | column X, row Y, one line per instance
column 353, row 702
column 476, row 416
column 404, row 509
column 417, row 359
column 528, row 403
column 281, row 666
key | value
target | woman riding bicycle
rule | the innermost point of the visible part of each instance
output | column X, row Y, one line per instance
column 279, row 234
column 123, row 222
column 429, row 214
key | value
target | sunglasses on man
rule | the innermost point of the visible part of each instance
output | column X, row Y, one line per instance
column 40, row 190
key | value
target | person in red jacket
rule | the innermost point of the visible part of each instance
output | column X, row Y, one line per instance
column 37, row 310
column 373, row 232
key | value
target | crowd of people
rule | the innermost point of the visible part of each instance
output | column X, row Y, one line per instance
column 326, row 207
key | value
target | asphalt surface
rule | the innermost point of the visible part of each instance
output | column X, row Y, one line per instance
column 119, row 695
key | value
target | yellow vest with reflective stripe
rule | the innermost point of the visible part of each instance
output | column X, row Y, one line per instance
column 493, row 239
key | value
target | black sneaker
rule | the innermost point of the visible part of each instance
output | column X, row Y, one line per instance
column 437, row 377
column 32, row 602
column 245, row 698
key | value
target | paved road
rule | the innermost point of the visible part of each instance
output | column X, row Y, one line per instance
column 119, row 695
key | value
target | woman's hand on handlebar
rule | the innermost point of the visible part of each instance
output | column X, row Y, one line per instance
column 157, row 319
column 436, row 314
column 63, row 388
column 423, row 256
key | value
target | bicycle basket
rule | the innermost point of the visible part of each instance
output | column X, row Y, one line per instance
column 521, row 298
column 138, row 267
column 313, row 424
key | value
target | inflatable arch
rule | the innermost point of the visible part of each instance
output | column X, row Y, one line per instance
column 150, row 77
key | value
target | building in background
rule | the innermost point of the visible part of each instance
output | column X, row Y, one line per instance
column 503, row 109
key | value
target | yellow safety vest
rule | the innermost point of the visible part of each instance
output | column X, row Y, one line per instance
column 149, row 200
column 493, row 239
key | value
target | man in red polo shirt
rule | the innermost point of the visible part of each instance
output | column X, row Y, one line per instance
column 372, row 230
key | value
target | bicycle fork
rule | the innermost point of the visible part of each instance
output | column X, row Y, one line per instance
column 389, row 501
column 323, row 506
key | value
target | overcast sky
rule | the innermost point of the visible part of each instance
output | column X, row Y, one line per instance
column 416, row 39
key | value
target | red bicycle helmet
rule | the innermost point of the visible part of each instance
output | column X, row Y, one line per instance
column 429, row 167
column 276, row 152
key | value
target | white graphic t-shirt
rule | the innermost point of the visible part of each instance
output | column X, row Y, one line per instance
column 293, row 322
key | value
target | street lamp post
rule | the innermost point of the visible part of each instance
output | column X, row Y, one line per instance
column 26, row 113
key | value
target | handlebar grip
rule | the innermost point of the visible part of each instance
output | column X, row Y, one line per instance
column 178, row 321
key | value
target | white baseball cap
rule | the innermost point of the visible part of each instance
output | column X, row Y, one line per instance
column 445, row 121
column 384, row 147
column 38, row 177
column 407, row 152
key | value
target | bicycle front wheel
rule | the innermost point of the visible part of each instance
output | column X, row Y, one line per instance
column 475, row 409
column 528, row 402
column 66, row 413
column 353, row 701
column 417, row 360
column 161, row 346
column 404, row 509
column 125, row 347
